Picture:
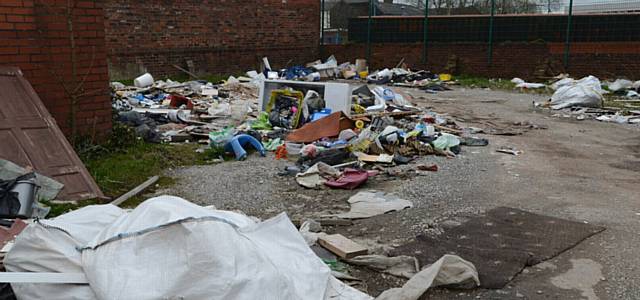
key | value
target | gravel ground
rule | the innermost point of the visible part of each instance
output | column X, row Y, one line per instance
column 585, row 171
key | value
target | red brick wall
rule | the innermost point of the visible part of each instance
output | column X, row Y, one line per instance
column 604, row 59
column 34, row 36
column 218, row 36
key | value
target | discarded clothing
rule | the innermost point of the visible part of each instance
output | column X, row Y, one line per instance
column 317, row 175
column 367, row 204
column 450, row 269
column 350, row 179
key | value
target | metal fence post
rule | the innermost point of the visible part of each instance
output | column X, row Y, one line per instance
column 493, row 10
column 321, row 28
column 568, row 36
column 369, row 21
column 425, row 31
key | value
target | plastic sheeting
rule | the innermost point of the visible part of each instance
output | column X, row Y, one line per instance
column 367, row 204
column 169, row 248
column 450, row 269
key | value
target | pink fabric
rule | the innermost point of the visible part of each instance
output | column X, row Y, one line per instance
column 350, row 179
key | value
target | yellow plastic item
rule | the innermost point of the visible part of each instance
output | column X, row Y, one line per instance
column 363, row 74
column 291, row 93
column 359, row 109
column 359, row 124
column 445, row 77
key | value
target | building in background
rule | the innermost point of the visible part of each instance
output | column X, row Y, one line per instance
column 629, row 6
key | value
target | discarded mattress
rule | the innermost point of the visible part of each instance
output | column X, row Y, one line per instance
column 169, row 248
column 501, row 243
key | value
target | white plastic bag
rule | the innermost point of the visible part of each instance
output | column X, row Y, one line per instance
column 585, row 92
column 620, row 84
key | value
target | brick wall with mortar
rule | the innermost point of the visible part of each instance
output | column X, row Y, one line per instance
column 219, row 37
column 34, row 36
column 603, row 59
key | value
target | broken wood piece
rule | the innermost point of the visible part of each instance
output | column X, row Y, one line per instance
column 447, row 129
column 36, row 277
column 186, row 72
column 341, row 246
column 326, row 222
column 135, row 191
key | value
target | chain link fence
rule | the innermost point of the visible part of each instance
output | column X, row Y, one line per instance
column 489, row 22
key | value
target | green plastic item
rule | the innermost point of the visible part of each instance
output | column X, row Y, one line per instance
column 262, row 122
column 273, row 144
column 220, row 138
column 446, row 141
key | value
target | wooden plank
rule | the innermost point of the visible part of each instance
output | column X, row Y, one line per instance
column 135, row 191
column 341, row 246
column 33, row 277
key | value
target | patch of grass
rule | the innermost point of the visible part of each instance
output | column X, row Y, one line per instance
column 496, row 84
column 481, row 82
column 118, row 172
column 119, row 169
column 59, row 208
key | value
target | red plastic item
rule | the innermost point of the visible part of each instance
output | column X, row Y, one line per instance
column 179, row 100
column 281, row 152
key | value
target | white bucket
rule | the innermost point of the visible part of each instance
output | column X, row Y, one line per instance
column 26, row 190
column 143, row 81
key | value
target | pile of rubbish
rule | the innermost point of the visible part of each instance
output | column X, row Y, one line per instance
column 169, row 111
column 282, row 111
column 400, row 75
column 584, row 98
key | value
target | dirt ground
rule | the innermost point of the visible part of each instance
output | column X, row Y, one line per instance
column 585, row 171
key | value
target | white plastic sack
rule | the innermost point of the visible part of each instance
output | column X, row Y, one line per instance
column 620, row 84
column 526, row 85
column 169, row 248
column 585, row 92
column 562, row 82
column 50, row 246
